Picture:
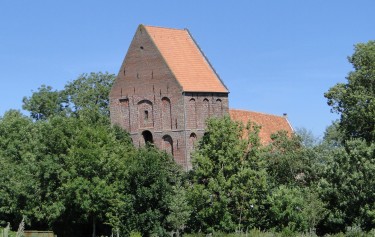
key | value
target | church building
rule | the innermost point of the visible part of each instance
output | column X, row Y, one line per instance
column 166, row 89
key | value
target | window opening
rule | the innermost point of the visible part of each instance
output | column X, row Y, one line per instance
column 146, row 115
column 147, row 136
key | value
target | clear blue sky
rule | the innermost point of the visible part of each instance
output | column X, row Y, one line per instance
column 275, row 56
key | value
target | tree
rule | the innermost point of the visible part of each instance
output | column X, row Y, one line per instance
column 229, row 181
column 348, row 187
column 294, row 208
column 347, row 183
column 94, row 171
column 293, row 164
column 150, row 177
column 307, row 138
column 86, row 94
column 17, row 155
column 61, row 171
column 355, row 100
column 289, row 162
column 90, row 91
column 333, row 136
column 45, row 102
column 69, row 158
column 180, row 209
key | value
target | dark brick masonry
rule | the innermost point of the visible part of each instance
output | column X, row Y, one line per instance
column 149, row 102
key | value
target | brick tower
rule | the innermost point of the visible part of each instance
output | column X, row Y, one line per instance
column 165, row 90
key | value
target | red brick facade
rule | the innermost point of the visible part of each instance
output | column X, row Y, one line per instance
column 152, row 104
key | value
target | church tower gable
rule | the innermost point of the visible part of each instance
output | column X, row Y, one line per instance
column 165, row 90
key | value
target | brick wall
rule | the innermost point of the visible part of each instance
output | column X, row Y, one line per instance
column 147, row 100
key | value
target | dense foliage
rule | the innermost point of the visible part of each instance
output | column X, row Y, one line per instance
column 66, row 168
column 354, row 100
column 229, row 181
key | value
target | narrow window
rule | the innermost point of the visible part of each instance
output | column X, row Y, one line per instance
column 192, row 113
column 146, row 115
column 166, row 113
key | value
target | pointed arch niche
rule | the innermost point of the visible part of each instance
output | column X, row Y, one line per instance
column 167, row 144
column 205, row 111
column 166, row 114
column 192, row 114
column 145, row 114
column 147, row 137
column 218, row 108
column 125, row 114
column 191, row 145
column 192, row 141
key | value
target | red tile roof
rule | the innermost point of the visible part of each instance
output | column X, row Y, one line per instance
column 185, row 59
column 269, row 123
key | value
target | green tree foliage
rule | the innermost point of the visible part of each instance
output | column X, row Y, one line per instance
column 293, row 166
column 67, row 166
column 17, row 156
column 289, row 162
column 149, row 180
column 347, row 183
column 45, row 103
column 333, row 137
column 354, row 100
column 348, row 186
column 307, row 138
column 295, row 208
column 86, row 94
column 90, row 91
column 229, row 181
column 61, row 170
column 180, row 209
column 94, row 165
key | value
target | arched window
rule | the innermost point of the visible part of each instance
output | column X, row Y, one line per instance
column 167, row 144
column 192, row 114
column 125, row 114
column 191, row 146
column 147, row 137
column 192, row 140
column 205, row 111
column 218, row 108
column 145, row 114
column 166, row 113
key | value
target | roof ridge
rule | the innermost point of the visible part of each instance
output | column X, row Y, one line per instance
column 243, row 110
column 162, row 27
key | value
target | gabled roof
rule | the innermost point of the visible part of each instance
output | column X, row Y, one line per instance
column 185, row 59
column 269, row 123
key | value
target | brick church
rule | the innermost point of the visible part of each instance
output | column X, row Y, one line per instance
column 165, row 90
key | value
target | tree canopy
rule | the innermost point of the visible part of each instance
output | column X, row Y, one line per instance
column 88, row 92
column 354, row 100
column 67, row 168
